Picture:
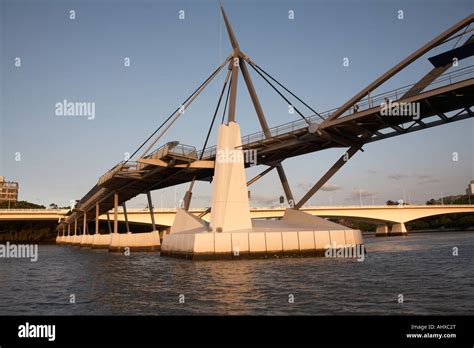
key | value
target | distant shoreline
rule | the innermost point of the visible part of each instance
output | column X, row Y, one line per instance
column 447, row 230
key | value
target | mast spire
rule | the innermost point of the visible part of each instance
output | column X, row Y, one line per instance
column 230, row 31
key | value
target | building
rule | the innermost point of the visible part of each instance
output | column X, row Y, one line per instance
column 8, row 190
column 470, row 188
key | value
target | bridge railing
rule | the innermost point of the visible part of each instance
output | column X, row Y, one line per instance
column 32, row 210
column 366, row 103
column 445, row 79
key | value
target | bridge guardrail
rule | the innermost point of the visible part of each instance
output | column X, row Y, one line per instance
column 366, row 103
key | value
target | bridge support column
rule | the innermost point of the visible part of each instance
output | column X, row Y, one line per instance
column 381, row 231
column 100, row 241
column 97, row 218
column 108, row 222
column 150, row 208
column 115, row 212
column 75, row 240
column 149, row 241
column 398, row 229
column 126, row 217
column 86, row 238
column 84, row 224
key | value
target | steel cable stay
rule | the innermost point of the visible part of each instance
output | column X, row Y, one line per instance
column 215, row 114
column 185, row 104
column 188, row 194
column 226, row 100
column 281, row 95
column 261, row 71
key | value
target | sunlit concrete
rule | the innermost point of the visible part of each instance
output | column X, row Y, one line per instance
column 149, row 241
column 398, row 229
column 100, row 241
column 76, row 240
column 381, row 230
column 286, row 237
column 231, row 234
column 86, row 240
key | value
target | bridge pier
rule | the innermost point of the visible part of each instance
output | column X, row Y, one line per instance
column 231, row 234
column 399, row 229
column 100, row 241
column 148, row 241
column 381, row 231
column 60, row 238
column 75, row 240
column 86, row 238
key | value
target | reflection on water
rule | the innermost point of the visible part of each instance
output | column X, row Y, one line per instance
column 421, row 267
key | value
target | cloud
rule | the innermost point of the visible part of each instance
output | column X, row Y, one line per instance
column 328, row 187
column 422, row 178
column 357, row 194
column 397, row 176
column 264, row 199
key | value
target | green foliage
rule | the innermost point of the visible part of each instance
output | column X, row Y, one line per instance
column 21, row 205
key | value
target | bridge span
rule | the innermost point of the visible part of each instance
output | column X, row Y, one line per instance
column 390, row 219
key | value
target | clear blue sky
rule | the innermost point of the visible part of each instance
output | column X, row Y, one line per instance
column 82, row 60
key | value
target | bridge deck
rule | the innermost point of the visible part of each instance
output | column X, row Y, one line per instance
column 289, row 140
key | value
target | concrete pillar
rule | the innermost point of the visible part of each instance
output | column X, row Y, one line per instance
column 75, row 226
column 97, row 218
column 230, row 204
column 115, row 212
column 69, row 229
column 398, row 229
column 381, row 231
column 84, row 224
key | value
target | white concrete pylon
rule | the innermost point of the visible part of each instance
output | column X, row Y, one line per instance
column 230, row 210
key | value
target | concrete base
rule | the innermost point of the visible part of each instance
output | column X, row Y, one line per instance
column 381, row 231
column 60, row 240
column 86, row 240
column 399, row 230
column 100, row 241
column 149, row 241
column 297, row 234
column 75, row 240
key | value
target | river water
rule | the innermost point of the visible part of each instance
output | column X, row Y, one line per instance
column 420, row 267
